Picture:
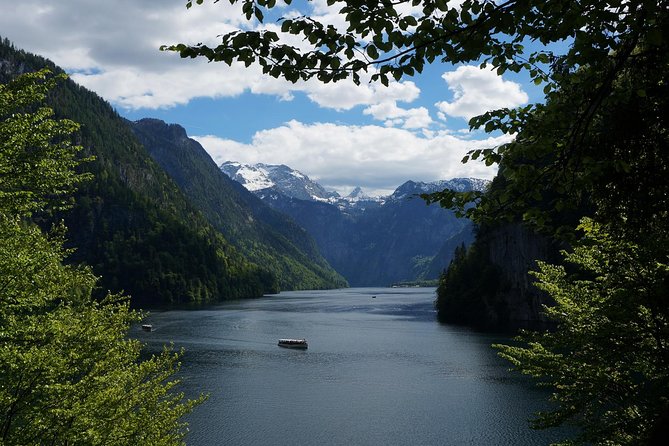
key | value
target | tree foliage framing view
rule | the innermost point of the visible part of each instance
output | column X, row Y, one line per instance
column 596, row 147
column 69, row 374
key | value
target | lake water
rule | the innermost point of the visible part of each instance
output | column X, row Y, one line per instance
column 378, row 371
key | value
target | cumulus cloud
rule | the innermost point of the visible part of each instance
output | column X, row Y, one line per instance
column 345, row 95
column 133, row 88
column 112, row 48
column 413, row 118
column 341, row 157
column 478, row 90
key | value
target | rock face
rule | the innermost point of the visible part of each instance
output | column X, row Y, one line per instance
column 514, row 250
column 489, row 285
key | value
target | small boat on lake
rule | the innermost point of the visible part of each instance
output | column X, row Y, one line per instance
column 293, row 343
column 147, row 327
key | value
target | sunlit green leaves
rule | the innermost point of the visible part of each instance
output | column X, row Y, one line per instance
column 37, row 158
column 606, row 362
column 68, row 372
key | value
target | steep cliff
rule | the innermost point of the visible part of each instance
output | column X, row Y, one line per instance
column 489, row 285
column 515, row 250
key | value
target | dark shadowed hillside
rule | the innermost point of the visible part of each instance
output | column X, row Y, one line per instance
column 395, row 242
column 132, row 223
column 267, row 237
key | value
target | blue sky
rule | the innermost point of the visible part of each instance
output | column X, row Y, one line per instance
column 340, row 134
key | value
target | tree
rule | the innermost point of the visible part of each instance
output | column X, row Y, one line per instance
column 68, row 372
column 398, row 37
column 37, row 167
column 607, row 363
column 470, row 280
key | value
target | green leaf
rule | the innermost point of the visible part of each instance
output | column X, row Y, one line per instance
column 654, row 37
column 372, row 52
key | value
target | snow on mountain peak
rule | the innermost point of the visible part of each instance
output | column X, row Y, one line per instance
column 252, row 177
column 412, row 188
column 280, row 177
column 292, row 183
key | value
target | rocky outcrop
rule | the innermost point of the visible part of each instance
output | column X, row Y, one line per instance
column 514, row 251
column 489, row 285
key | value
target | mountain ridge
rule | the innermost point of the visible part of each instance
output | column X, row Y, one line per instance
column 263, row 179
column 131, row 223
column 290, row 182
column 381, row 240
column 264, row 235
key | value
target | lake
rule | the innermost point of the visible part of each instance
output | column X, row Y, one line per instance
column 378, row 371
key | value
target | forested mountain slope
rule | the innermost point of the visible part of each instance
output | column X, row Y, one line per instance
column 265, row 236
column 132, row 223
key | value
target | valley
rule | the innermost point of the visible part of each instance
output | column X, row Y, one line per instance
column 371, row 241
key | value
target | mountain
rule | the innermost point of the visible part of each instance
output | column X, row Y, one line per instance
column 281, row 178
column 372, row 241
column 131, row 223
column 412, row 188
column 264, row 235
column 357, row 194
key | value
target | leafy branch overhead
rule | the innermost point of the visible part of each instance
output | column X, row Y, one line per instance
column 579, row 52
column 596, row 146
column 398, row 37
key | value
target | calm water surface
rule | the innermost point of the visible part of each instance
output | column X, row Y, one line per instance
column 378, row 371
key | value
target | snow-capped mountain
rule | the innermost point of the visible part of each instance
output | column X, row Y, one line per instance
column 267, row 179
column 281, row 178
column 413, row 188
column 371, row 241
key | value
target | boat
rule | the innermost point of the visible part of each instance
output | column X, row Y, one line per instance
column 293, row 343
column 147, row 327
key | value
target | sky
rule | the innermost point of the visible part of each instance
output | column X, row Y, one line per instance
column 340, row 135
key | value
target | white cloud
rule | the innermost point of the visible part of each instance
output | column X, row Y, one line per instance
column 413, row 118
column 340, row 157
column 133, row 88
column 345, row 95
column 477, row 90
column 329, row 14
column 112, row 48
